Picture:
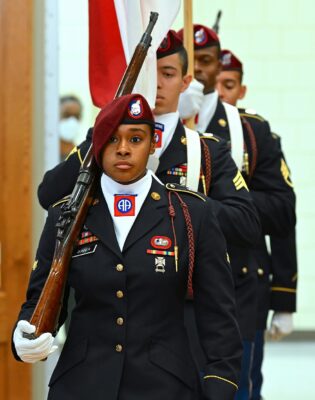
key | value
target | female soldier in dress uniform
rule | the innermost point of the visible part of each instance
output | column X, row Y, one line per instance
column 142, row 245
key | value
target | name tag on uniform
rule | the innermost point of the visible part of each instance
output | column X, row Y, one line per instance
column 84, row 250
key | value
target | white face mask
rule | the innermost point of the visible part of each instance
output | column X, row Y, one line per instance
column 69, row 129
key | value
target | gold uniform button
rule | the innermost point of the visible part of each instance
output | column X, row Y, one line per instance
column 222, row 122
column 155, row 196
column 260, row 271
column 119, row 348
column 183, row 140
column 120, row 321
column 119, row 267
column 244, row 270
column 35, row 265
column 120, row 294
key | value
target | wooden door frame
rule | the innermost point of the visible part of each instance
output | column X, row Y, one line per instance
column 16, row 124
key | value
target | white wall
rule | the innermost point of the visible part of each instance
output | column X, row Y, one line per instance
column 73, row 57
column 275, row 40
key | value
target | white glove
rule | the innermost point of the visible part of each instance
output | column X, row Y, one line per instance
column 281, row 325
column 190, row 101
column 32, row 350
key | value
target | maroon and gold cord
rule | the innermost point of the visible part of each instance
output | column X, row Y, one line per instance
column 190, row 237
column 208, row 173
column 253, row 145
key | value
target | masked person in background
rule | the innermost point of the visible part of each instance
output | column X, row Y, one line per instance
column 277, row 277
column 69, row 124
column 142, row 246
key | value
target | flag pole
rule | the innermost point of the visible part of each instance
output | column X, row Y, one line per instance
column 189, row 46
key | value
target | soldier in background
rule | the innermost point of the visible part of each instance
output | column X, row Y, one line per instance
column 280, row 264
column 258, row 156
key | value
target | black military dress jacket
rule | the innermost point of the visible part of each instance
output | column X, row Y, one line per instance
column 284, row 270
column 270, row 185
column 273, row 197
column 277, row 280
column 127, row 338
column 277, row 273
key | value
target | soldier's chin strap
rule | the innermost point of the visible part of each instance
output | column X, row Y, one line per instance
column 193, row 159
column 236, row 134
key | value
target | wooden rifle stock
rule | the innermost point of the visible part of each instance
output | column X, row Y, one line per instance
column 73, row 212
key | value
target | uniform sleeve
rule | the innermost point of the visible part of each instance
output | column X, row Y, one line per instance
column 234, row 206
column 271, row 187
column 284, row 273
column 60, row 181
column 215, row 312
column 39, row 274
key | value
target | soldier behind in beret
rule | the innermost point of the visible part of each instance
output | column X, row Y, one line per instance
column 142, row 246
column 277, row 274
column 259, row 158
column 229, row 82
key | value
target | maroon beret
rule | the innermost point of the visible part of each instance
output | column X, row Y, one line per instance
column 203, row 37
column 128, row 109
column 171, row 44
column 230, row 62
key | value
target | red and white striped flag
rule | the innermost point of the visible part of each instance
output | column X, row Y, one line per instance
column 115, row 28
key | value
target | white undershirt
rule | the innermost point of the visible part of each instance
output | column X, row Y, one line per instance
column 207, row 110
column 122, row 225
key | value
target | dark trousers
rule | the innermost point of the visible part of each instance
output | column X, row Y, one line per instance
column 244, row 387
column 256, row 375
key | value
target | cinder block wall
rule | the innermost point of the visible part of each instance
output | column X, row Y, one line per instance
column 275, row 40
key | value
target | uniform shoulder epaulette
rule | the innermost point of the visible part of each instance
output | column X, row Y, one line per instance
column 63, row 200
column 250, row 113
column 275, row 136
column 175, row 187
column 74, row 150
column 210, row 136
